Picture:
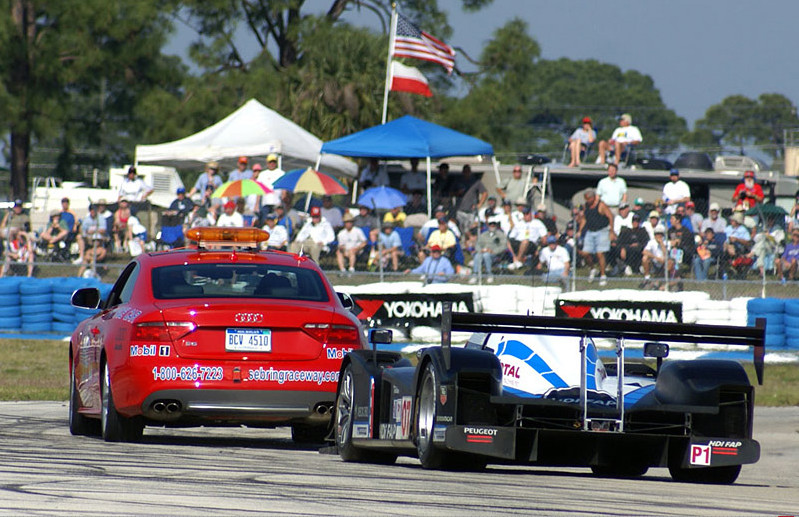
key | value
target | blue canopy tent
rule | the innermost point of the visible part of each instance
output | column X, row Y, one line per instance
column 409, row 137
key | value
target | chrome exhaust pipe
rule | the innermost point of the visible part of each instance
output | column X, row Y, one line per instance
column 159, row 407
column 173, row 407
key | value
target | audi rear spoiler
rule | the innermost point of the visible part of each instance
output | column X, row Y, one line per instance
column 613, row 329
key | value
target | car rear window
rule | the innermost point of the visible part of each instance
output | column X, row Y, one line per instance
column 238, row 281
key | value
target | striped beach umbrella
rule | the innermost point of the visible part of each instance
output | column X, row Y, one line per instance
column 311, row 181
column 241, row 188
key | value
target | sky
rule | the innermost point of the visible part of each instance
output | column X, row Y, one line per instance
column 697, row 51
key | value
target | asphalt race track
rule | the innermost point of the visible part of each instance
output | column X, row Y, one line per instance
column 46, row 471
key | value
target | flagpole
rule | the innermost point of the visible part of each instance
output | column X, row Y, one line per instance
column 391, row 36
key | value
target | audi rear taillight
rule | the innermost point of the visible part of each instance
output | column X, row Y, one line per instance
column 332, row 334
column 159, row 331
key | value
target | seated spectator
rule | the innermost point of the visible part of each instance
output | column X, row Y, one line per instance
column 365, row 218
column 443, row 237
column 631, row 244
column 200, row 216
column 623, row 136
column 694, row 218
column 787, row 265
column 373, row 175
column 373, row 245
column 491, row 244
column 708, row 252
column 490, row 211
column 332, row 213
column 351, row 241
column 654, row 256
column 54, row 237
column 652, row 222
column 395, row 216
column 413, row 180
column 739, row 240
column 137, row 236
column 514, row 187
column 120, row 225
column 793, row 216
column 416, row 204
column 427, row 228
column 713, row 220
column 549, row 222
column 767, row 245
column 441, row 185
column 436, row 268
column 390, row 246
column 315, row 237
column 95, row 237
column 579, row 141
column 18, row 249
column 210, row 179
column 524, row 238
column 556, row 260
column 181, row 206
column 16, row 218
column 230, row 218
column 69, row 217
column 278, row 234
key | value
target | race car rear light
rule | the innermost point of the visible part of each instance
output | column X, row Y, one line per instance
column 158, row 331
column 332, row 334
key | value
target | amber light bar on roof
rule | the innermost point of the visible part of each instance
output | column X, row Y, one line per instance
column 243, row 237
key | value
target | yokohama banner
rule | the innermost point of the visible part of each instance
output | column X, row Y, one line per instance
column 665, row 312
column 405, row 311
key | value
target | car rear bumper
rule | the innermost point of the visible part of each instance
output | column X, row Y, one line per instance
column 268, row 407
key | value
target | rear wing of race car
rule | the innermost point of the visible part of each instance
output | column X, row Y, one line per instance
column 613, row 329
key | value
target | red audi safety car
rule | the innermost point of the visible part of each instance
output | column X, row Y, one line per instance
column 218, row 334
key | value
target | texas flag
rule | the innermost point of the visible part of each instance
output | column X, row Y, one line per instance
column 408, row 79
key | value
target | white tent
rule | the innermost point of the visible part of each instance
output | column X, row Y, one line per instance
column 253, row 130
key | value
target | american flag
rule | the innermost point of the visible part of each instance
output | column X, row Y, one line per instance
column 411, row 42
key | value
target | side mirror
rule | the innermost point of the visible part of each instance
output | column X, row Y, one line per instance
column 380, row 337
column 346, row 301
column 86, row 298
column 658, row 351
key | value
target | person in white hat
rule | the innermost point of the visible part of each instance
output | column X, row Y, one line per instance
column 623, row 136
column 268, row 177
column 713, row 220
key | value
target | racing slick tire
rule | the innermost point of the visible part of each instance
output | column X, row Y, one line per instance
column 343, row 426
column 115, row 427
column 308, row 434
column 619, row 471
column 431, row 456
column 79, row 424
column 708, row 475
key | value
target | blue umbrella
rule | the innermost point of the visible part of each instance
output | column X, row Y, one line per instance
column 382, row 197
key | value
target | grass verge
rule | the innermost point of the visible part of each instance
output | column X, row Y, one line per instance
column 38, row 370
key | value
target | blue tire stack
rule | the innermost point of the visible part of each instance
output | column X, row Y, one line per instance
column 792, row 323
column 36, row 304
column 64, row 314
column 10, row 311
column 773, row 310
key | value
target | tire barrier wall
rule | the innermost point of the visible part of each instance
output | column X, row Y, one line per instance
column 42, row 305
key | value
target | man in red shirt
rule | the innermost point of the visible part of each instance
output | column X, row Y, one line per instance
column 748, row 193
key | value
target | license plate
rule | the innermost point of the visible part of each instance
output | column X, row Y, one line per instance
column 248, row 340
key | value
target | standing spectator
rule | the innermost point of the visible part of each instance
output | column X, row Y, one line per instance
column 707, row 252
column 623, row 136
column 597, row 228
column 767, row 245
column 675, row 192
column 284, row 220
column 416, row 204
column 695, row 220
column 373, row 175
column 315, row 236
column 351, row 241
column 631, row 244
column 436, row 269
column 105, row 214
column 472, row 194
column 787, row 265
column 579, row 141
column 390, row 246
column 612, row 189
column 524, row 238
column 19, row 248
column 133, row 188
column 181, row 206
column 441, row 185
column 557, row 262
column 413, row 179
column 490, row 244
column 208, row 178
column 268, row 177
column 230, row 217
column 278, row 234
column 748, row 193
column 332, row 213
column 16, row 218
column 241, row 172
column 514, row 187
